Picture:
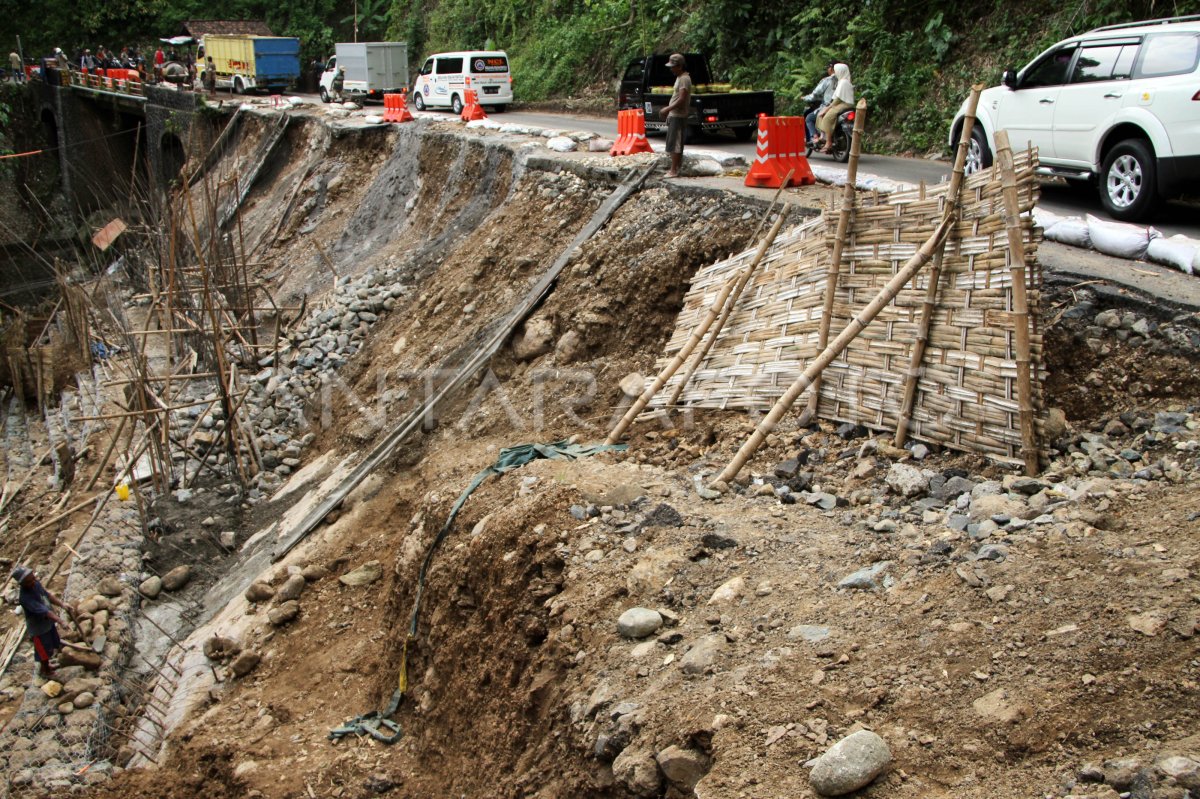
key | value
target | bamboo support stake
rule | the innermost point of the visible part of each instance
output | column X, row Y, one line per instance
column 688, row 347
column 805, row 380
column 839, row 243
column 1016, row 252
column 935, row 275
column 731, row 303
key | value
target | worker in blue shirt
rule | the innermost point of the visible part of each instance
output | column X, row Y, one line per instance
column 40, row 619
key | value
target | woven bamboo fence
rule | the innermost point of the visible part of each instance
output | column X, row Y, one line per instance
column 966, row 391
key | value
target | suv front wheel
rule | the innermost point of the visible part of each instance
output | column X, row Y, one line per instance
column 979, row 157
column 1128, row 181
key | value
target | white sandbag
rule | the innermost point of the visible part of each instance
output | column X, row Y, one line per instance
column 1178, row 251
column 1118, row 238
column 561, row 144
column 373, row 119
column 1044, row 219
column 1070, row 230
column 701, row 167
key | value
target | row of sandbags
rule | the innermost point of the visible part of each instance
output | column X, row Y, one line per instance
column 1120, row 239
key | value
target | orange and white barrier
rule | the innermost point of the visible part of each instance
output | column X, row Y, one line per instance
column 395, row 107
column 631, row 133
column 780, row 150
column 471, row 108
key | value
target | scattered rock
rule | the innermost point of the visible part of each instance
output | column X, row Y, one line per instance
column 907, row 481
column 702, row 655
column 633, row 384
column 663, row 515
column 998, row 708
column 314, row 572
column 292, row 588
column 637, row 770
column 219, row 647
column 730, row 591
column 809, row 632
column 259, row 592
column 284, row 614
column 850, row 764
column 245, row 663
column 1149, row 624
column 151, row 587
column 718, row 541
column 177, row 578
column 535, row 340
column 639, row 623
column 109, row 586
column 365, row 574
column 865, row 578
column 683, row 768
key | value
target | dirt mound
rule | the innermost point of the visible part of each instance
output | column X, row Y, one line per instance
column 196, row 771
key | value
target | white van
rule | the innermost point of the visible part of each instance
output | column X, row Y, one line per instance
column 445, row 77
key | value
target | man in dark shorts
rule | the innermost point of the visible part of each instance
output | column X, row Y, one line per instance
column 40, row 618
column 676, row 111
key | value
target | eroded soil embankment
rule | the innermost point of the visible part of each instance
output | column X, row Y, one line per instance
column 985, row 669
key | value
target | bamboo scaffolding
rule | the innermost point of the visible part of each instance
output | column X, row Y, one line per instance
column 1016, row 249
column 930, row 303
column 717, row 307
column 839, row 243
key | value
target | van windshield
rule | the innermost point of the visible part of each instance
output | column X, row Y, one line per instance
column 487, row 64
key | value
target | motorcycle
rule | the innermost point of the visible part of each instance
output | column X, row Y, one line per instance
column 843, row 134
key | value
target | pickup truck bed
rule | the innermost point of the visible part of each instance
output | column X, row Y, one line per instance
column 711, row 111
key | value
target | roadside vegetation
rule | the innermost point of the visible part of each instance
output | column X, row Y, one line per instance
column 914, row 62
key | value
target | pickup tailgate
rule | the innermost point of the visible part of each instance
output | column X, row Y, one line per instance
column 715, row 111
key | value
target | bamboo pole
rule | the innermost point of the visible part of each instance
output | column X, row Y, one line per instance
column 692, row 342
column 1016, row 252
column 839, row 243
column 929, row 305
column 731, row 303
column 805, row 380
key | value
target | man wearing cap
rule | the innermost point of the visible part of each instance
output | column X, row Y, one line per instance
column 676, row 111
column 40, row 618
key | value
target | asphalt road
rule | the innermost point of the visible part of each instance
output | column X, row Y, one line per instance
column 1173, row 218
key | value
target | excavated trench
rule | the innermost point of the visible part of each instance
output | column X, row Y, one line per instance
column 516, row 687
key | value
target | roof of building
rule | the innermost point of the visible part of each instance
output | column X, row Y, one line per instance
column 199, row 28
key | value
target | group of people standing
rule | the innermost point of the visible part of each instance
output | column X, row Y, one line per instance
column 833, row 95
column 161, row 66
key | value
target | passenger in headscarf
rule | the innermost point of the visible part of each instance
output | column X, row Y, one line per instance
column 843, row 99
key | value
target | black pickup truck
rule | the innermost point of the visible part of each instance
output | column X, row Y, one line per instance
column 714, row 106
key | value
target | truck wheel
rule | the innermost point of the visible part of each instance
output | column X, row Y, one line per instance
column 238, row 86
column 324, row 95
column 1129, row 181
column 744, row 134
column 418, row 102
column 979, row 157
column 499, row 109
column 456, row 105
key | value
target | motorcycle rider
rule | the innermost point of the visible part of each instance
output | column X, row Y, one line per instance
column 843, row 100
column 822, row 93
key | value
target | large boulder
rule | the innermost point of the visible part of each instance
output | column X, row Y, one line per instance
column 639, row 622
column 850, row 764
column 637, row 770
column 683, row 768
column 536, row 339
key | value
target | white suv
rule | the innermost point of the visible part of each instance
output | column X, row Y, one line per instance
column 1118, row 106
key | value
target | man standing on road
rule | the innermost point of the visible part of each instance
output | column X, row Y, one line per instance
column 40, row 618
column 338, row 83
column 210, row 77
column 676, row 111
column 14, row 64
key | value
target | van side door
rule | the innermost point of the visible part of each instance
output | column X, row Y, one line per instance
column 449, row 79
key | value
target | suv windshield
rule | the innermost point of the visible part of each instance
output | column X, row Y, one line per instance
column 1169, row 54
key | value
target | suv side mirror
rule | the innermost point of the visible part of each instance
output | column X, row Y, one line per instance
column 1009, row 79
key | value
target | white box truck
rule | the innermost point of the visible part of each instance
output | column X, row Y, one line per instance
column 372, row 68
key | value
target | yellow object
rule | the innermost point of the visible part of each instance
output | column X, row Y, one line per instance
column 123, row 491
column 52, row 688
